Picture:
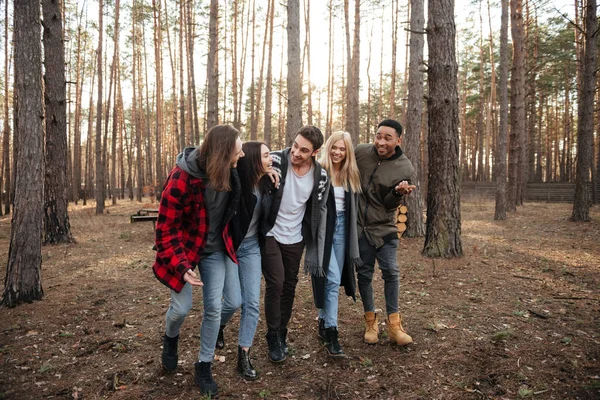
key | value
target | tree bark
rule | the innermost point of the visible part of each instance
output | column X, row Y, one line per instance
column 500, row 158
column 294, row 84
column 6, row 170
column 269, row 83
column 414, row 117
column 56, row 217
column 213, row 66
column 99, row 165
column 23, row 281
column 517, row 104
column 585, row 124
column 442, row 238
column 158, row 183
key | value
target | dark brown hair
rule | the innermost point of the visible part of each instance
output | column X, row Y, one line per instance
column 313, row 135
column 250, row 169
column 215, row 155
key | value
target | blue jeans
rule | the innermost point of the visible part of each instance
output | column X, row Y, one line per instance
column 247, row 293
column 214, row 268
column 386, row 258
column 334, row 274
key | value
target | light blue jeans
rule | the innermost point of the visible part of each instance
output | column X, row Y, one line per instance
column 334, row 274
column 214, row 268
column 245, row 292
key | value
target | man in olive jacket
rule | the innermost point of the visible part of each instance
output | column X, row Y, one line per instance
column 385, row 174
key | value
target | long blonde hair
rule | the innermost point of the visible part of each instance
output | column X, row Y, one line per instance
column 349, row 176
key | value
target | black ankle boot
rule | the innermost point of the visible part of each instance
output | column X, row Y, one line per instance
column 331, row 342
column 321, row 331
column 220, row 339
column 276, row 354
column 204, row 379
column 169, row 352
column 283, row 341
column 244, row 365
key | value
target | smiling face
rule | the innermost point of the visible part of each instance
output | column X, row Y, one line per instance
column 302, row 151
column 338, row 152
column 237, row 153
column 266, row 159
column 386, row 141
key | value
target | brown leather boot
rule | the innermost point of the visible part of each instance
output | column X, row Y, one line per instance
column 371, row 328
column 396, row 333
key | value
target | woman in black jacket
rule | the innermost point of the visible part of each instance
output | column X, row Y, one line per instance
column 245, row 229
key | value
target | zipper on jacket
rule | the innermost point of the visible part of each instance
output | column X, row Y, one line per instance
column 367, row 195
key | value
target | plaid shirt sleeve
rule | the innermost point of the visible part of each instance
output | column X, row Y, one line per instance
column 180, row 229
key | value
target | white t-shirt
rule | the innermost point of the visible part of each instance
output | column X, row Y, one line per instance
column 297, row 190
column 340, row 198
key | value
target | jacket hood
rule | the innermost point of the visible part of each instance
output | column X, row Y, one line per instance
column 187, row 160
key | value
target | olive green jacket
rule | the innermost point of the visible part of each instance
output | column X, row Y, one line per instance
column 378, row 201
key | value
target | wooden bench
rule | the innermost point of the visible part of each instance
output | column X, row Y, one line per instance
column 145, row 214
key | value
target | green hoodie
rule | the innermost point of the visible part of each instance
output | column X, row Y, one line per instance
column 378, row 202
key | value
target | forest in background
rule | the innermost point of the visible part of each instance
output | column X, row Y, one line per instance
column 154, row 82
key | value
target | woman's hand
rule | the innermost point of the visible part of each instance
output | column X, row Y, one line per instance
column 191, row 278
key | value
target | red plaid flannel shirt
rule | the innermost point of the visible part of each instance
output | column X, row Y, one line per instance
column 182, row 229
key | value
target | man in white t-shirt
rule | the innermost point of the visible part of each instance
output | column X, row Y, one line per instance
column 291, row 224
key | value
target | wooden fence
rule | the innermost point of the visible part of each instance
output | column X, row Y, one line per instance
column 551, row 192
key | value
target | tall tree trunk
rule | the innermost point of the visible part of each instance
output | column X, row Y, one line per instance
column 392, row 113
column 193, row 101
column 268, row 85
column 330, row 74
column 234, row 65
column 442, row 238
column 500, row 158
column 294, row 84
column 517, row 104
column 493, row 121
column 6, row 170
column 158, row 183
column 56, row 217
column 213, row 66
column 414, row 117
column 353, row 71
column 252, row 79
column 184, row 141
column 134, row 108
column 23, row 281
column 99, row 166
column 115, row 123
column 309, row 106
column 585, row 115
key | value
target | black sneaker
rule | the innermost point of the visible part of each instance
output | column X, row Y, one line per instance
column 204, row 379
column 283, row 339
column 276, row 353
column 321, row 331
column 169, row 353
column 220, row 339
column 331, row 343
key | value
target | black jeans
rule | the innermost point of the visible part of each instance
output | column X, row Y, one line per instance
column 280, row 265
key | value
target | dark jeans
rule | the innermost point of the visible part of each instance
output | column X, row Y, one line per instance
column 386, row 257
column 280, row 265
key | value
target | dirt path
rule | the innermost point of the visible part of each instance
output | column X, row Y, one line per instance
column 518, row 316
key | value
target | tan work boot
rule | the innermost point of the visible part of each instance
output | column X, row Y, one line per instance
column 396, row 333
column 371, row 328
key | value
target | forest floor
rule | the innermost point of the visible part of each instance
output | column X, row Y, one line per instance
column 518, row 316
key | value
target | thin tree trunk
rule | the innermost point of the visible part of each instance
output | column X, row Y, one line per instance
column 585, row 115
column 213, row 67
column 269, row 83
column 159, row 96
column 23, row 281
column 6, row 170
column 392, row 113
column 116, row 70
column 500, row 158
column 99, row 166
column 517, row 104
column 193, row 101
column 309, row 109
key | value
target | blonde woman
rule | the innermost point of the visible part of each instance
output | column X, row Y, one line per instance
column 340, row 253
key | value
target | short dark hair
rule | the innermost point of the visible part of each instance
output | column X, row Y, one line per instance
column 313, row 135
column 392, row 124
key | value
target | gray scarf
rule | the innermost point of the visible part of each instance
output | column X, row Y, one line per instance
column 315, row 252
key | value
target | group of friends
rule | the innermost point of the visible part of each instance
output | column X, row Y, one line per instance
column 239, row 212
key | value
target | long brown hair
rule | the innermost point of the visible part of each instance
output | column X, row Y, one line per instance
column 215, row 155
column 250, row 169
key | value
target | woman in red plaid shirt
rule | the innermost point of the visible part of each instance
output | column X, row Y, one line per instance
column 203, row 186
